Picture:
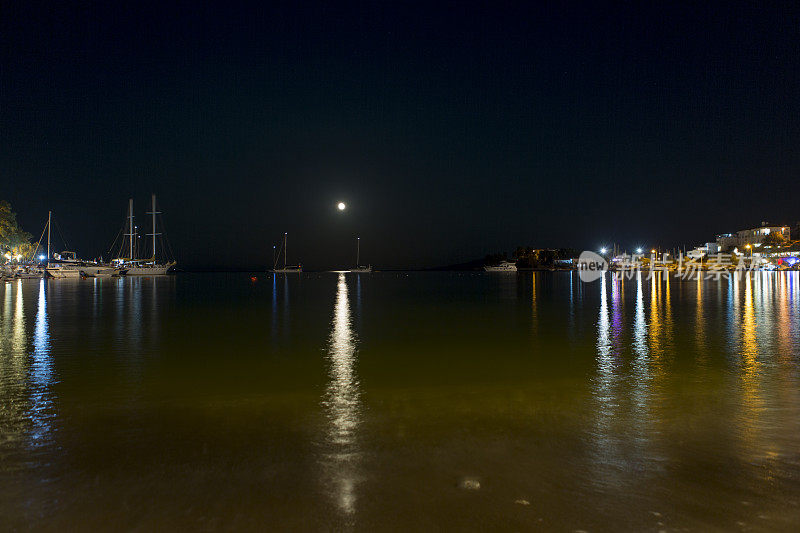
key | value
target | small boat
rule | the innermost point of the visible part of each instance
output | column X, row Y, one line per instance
column 285, row 269
column 360, row 269
column 503, row 266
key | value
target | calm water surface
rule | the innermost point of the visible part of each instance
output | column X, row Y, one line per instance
column 393, row 401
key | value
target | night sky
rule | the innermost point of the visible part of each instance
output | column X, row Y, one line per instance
column 451, row 130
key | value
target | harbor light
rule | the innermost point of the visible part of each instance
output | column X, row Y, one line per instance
column 638, row 250
column 653, row 251
column 602, row 250
column 341, row 206
column 42, row 257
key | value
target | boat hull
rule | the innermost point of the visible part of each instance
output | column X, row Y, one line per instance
column 500, row 268
column 63, row 273
column 157, row 270
column 101, row 272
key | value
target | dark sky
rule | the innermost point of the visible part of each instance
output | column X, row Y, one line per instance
column 451, row 129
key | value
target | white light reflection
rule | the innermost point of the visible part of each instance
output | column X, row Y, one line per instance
column 342, row 403
column 41, row 373
column 642, row 378
column 605, row 389
column 639, row 323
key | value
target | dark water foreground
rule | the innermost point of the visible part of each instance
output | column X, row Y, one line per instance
column 436, row 401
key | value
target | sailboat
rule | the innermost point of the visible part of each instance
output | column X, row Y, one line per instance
column 285, row 268
column 142, row 267
column 67, row 265
column 360, row 268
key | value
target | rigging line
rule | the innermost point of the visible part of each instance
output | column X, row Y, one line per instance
column 33, row 255
column 58, row 229
column 277, row 257
column 165, row 239
column 111, row 248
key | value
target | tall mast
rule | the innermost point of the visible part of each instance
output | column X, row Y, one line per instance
column 49, row 216
column 154, row 234
column 358, row 250
column 285, row 246
column 130, row 224
column 154, row 227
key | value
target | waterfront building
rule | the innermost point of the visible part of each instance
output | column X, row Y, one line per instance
column 753, row 236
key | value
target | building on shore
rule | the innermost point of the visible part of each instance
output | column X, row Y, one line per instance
column 753, row 236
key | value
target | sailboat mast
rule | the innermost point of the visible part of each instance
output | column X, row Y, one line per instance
column 358, row 251
column 153, row 212
column 130, row 224
column 285, row 246
column 154, row 227
column 49, row 216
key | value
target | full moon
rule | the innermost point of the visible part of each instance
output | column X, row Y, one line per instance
column 341, row 206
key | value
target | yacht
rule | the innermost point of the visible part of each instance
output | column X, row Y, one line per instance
column 285, row 269
column 141, row 267
column 503, row 266
column 67, row 265
column 64, row 265
column 360, row 268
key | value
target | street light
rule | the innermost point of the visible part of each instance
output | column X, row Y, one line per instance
column 602, row 250
column 639, row 251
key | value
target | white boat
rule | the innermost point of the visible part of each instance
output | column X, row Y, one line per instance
column 285, row 269
column 100, row 271
column 57, row 268
column 131, row 266
column 64, row 265
column 144, row 268
column 360, row 269
column 503, row 266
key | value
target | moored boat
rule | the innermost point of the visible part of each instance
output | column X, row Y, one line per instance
column 64, row 265
column 359, row 268
column 131, row 266
column 285, row 269
column 503, row 266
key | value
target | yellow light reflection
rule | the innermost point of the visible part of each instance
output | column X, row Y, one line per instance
column 534, row 311
column 751, row 398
